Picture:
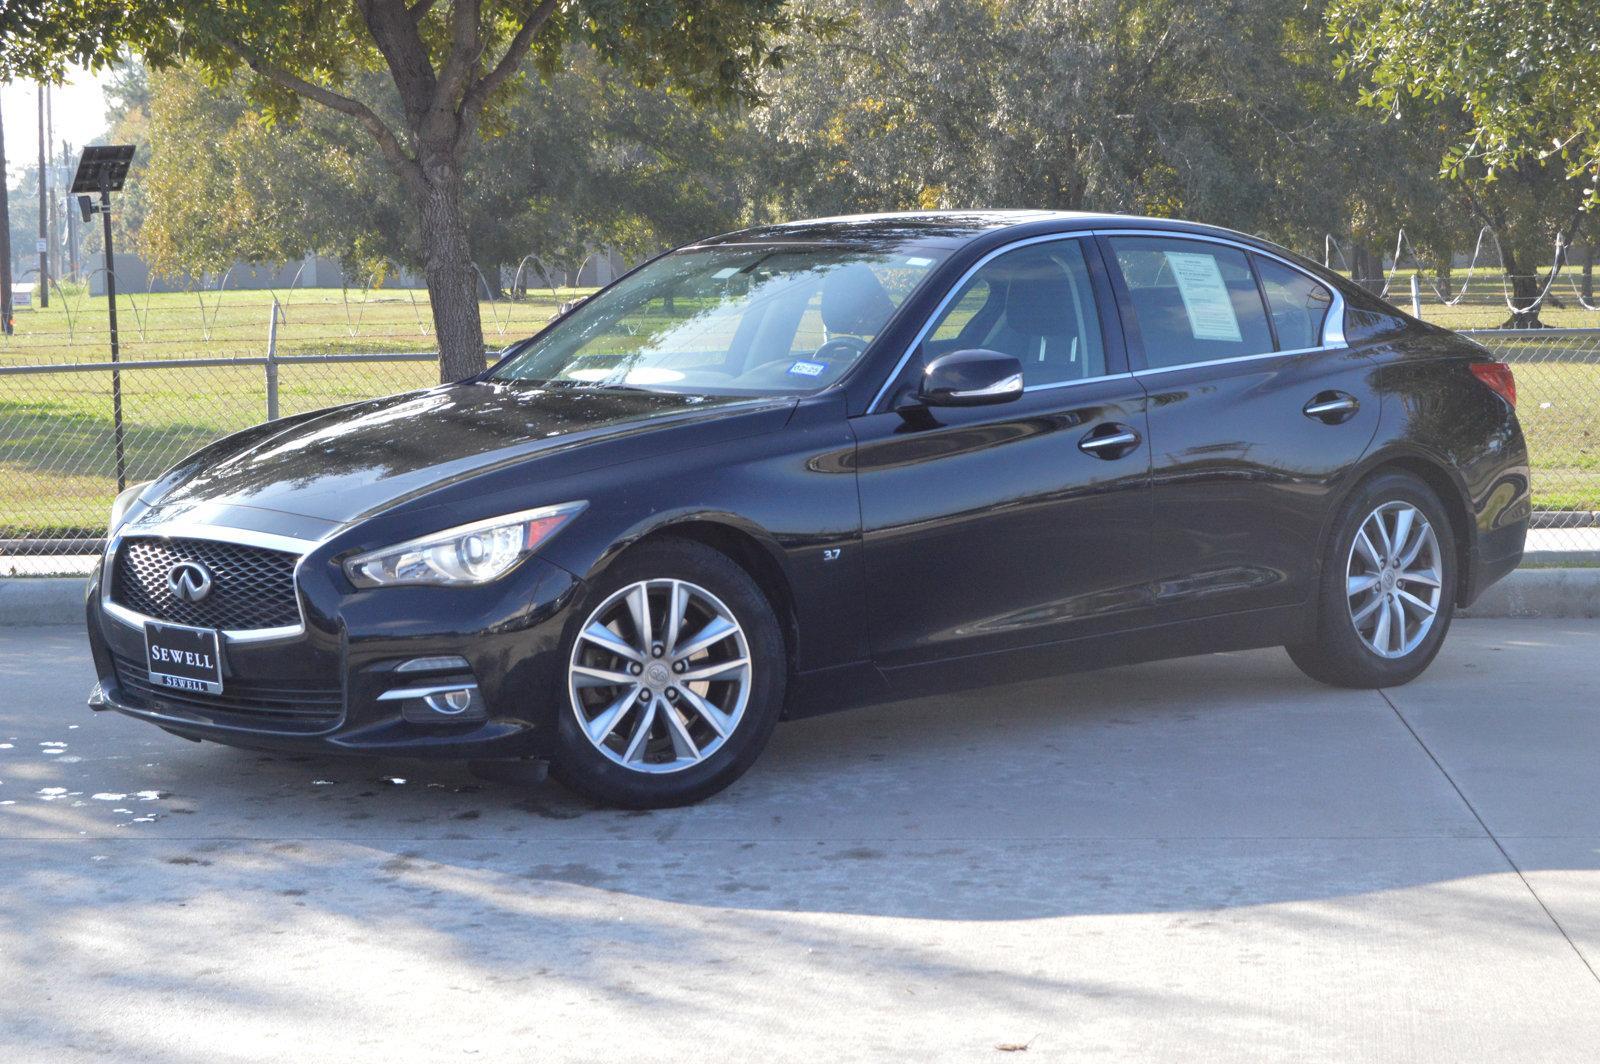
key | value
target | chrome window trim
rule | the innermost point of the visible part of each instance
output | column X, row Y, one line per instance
column 1074, row 383
column 1332, row 325
column 927, row 326
column 217, row 534
column 1229, row 361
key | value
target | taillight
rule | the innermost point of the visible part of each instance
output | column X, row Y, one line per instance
column 1497, row 375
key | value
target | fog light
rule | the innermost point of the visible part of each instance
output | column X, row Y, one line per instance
column 435, row 703
column 451, row 703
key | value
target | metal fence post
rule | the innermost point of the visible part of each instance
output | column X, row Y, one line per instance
column 1416, row 297
column 272, row 362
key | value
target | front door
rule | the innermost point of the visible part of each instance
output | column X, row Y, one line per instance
column 1010, row 526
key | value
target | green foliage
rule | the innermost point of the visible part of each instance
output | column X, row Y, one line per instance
column 586, row 159
column 1226, row 112
column 1525, row 74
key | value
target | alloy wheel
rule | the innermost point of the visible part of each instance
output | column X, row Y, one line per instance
column 1394, row 579
column 660, row 676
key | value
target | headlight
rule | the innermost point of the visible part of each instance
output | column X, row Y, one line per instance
column 466, row 554
column 121, row 505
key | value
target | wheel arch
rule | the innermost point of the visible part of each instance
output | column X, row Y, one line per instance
column 1437, row 473
column 748, row 546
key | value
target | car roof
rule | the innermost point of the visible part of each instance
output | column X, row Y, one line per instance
column 954, row 228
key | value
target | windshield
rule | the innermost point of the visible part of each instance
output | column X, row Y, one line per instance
column 767, row 319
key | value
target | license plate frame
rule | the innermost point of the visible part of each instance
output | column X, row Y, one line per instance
column 182, row 658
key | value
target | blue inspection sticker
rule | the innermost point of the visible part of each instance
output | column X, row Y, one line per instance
column 808, row 369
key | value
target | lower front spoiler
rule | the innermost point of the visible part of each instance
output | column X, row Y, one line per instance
column 508, row 743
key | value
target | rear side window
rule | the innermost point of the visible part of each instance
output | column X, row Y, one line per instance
column 1299, row 305
column 1194, row 301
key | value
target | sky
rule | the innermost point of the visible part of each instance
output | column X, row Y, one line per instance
column 79, row 111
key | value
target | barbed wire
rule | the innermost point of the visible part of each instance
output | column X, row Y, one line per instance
column 1560, row 261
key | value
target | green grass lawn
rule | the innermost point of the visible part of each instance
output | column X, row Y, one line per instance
column 235, row 324
column 57, row 464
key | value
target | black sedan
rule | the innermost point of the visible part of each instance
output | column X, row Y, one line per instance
column 796, row 468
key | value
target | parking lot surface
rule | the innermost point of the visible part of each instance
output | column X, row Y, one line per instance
column 1208, row 859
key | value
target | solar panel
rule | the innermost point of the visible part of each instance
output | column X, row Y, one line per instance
column 102, row 167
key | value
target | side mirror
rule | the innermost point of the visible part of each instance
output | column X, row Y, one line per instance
column 974, row 377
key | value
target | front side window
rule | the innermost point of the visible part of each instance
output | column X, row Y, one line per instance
column 1035, row 303
column 1195, row 301
column 753, row 319
column 1298, row 304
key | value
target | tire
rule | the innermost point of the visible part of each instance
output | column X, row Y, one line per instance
column 707, row 718
column 1344, row 651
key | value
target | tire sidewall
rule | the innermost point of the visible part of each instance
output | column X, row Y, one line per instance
column 585, row 769
column 1335, row 629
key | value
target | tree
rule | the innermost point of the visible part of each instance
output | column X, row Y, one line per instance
column 1508, row 91
column 450, row 69
column 1524, row 73
column 590, row 159
column 1229, row 113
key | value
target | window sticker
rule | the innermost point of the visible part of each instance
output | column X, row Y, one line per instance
column 808, row 369
column 725, row 273
column 918, row 260
column 1205, row 296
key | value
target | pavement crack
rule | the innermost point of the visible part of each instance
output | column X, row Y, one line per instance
column 1510, row 861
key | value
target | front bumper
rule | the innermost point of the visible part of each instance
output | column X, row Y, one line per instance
column 321, row 689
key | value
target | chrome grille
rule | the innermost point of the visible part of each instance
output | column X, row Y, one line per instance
column 251, row 587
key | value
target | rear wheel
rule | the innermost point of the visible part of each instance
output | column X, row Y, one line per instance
column 674, row 680
column 1388, row 587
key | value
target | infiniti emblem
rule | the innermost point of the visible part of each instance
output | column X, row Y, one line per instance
column 189, row 581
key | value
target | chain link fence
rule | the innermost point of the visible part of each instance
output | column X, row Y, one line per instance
column 1558, row 402
column 65, row 447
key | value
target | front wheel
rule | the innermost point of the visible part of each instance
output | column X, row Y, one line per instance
column 674, row 680
column 1388, row 587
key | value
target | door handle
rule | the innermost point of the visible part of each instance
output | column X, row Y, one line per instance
column 1331, row 407
column 1109, row 441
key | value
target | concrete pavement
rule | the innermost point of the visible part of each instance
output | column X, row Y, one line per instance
column 1208, row 859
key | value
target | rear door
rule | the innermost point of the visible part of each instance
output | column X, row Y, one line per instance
column 1257, row 413
column 1001, row 527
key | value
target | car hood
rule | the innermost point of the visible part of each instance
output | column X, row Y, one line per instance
column 348, row 462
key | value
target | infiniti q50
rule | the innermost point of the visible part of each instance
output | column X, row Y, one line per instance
column 801, row 467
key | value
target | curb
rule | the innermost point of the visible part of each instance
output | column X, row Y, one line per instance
column 41, row 600
column 1552, row 593
column 1526, row 593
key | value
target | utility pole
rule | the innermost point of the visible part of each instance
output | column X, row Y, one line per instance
column 5, row 238
column 44, row 208
column 72, row 221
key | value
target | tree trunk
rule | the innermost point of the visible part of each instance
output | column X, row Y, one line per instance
column 452, row 278
column 1524, row 290
column 1443, row 279
column 489, row 285
column 1588, row 271
column 1366, row 268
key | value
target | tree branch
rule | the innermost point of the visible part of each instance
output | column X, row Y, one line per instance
column 402, row 47
column 466, row 50
column 388, row 143
column 419, row 10
column 515, row 53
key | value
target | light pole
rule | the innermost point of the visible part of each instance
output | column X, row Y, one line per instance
column 103, row 168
